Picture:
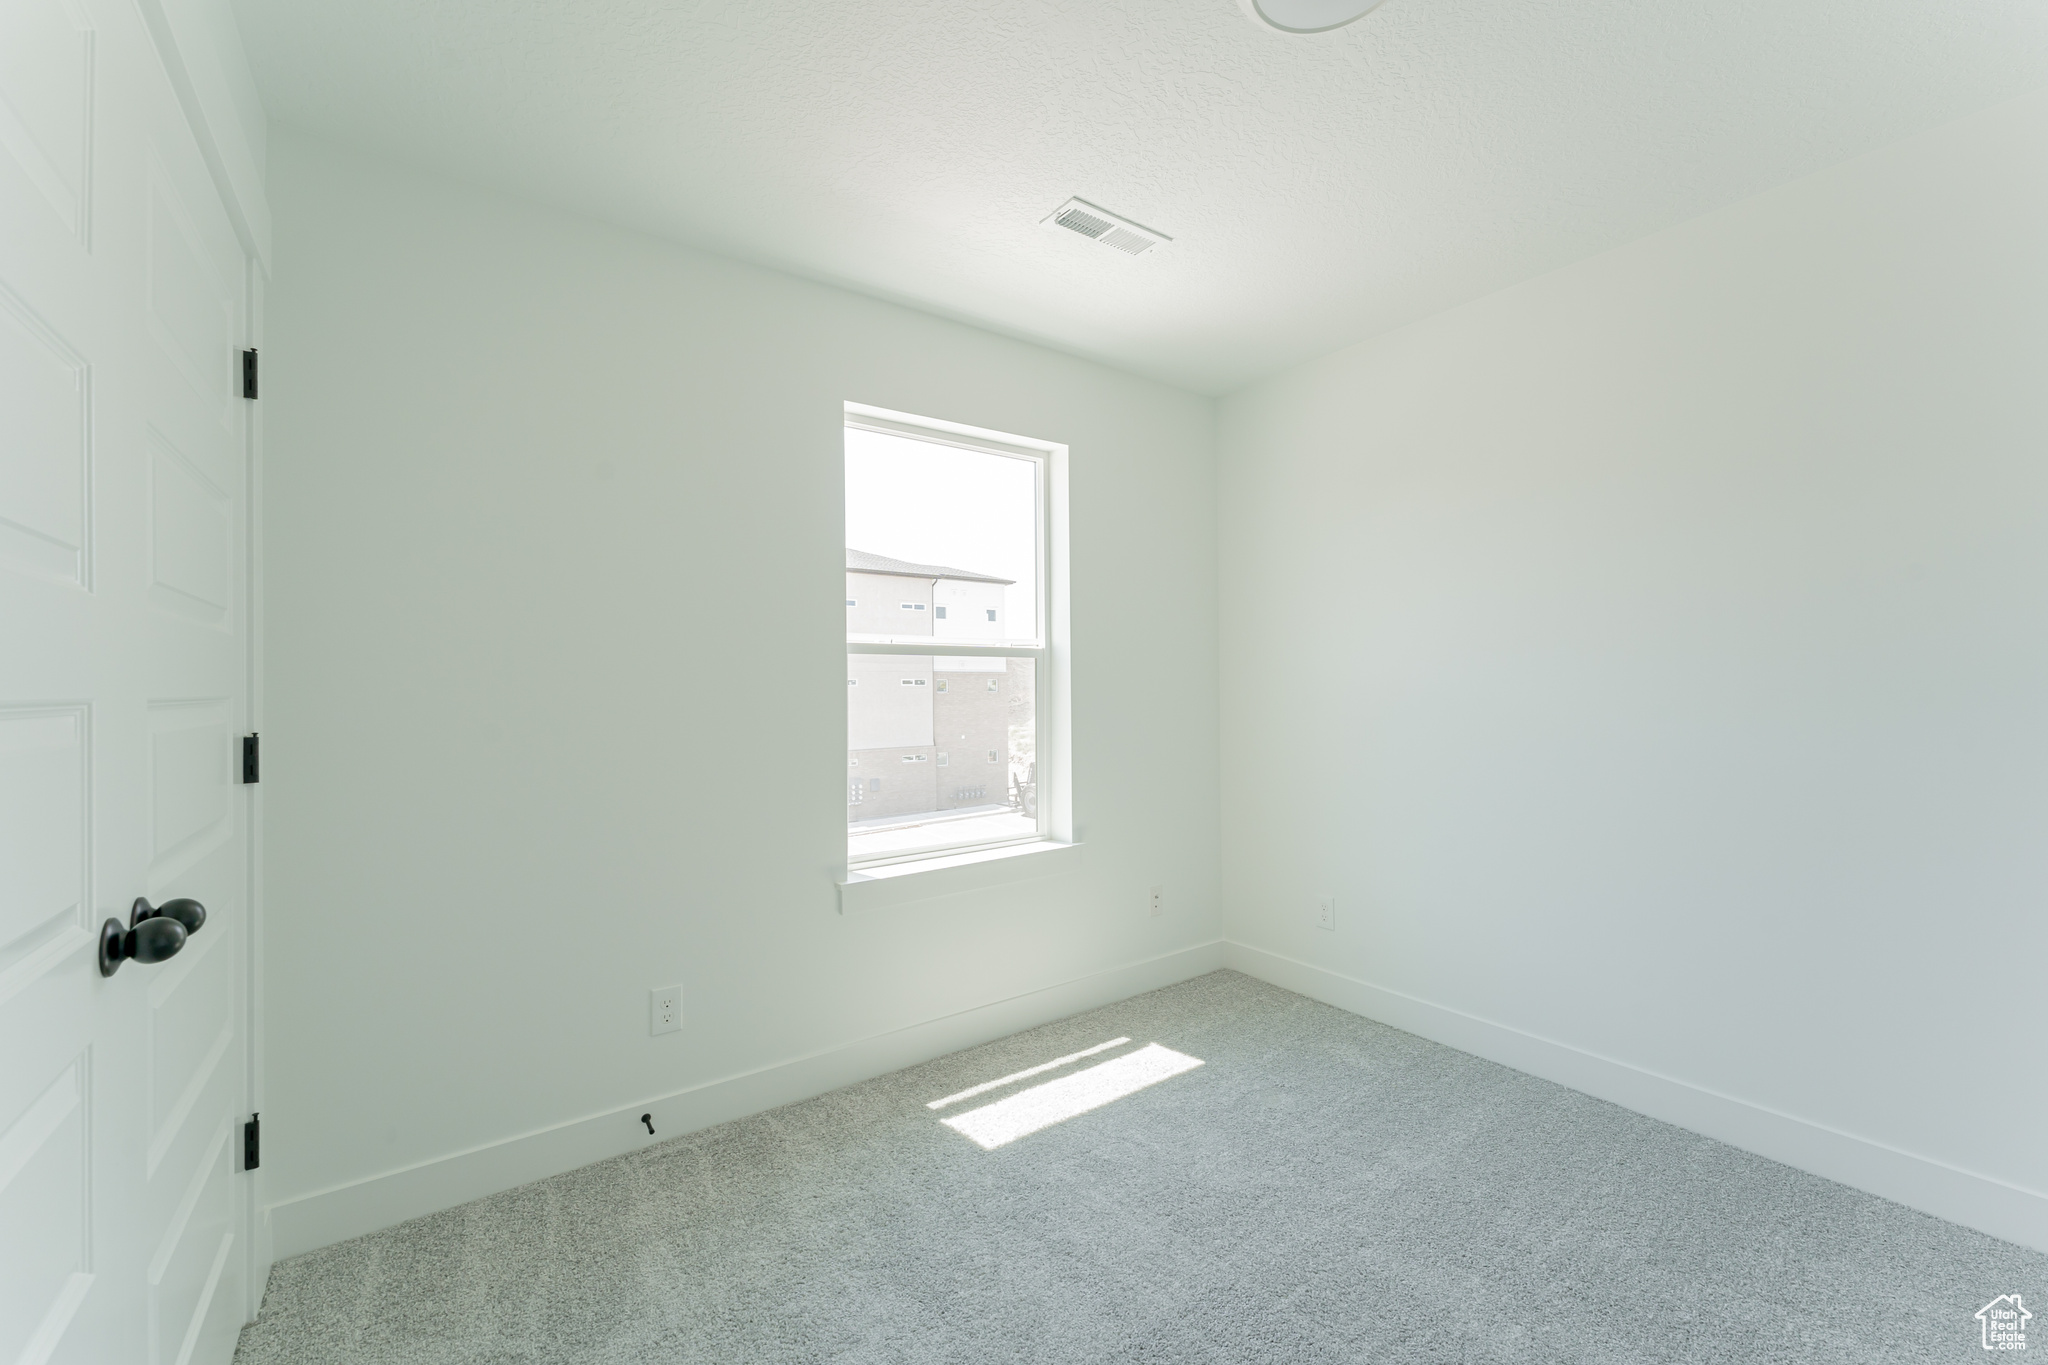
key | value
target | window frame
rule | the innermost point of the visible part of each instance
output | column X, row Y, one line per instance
column 1048, row 459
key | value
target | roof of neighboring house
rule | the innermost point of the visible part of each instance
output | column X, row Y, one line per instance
column 860, row 561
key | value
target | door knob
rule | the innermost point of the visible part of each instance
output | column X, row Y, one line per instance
column 154, row 933
column 184, row 910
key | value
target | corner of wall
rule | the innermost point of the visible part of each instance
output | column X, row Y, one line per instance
column 1976, row 1201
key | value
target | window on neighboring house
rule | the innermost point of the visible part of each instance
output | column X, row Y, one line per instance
column 851, row 603
column 959, row 518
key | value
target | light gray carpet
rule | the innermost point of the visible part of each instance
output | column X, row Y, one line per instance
column 1323, row 1188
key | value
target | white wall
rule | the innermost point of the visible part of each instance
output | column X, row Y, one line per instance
column 513, row 778
column 1684, row 703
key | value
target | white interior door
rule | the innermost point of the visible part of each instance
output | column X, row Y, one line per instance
column 123, row 672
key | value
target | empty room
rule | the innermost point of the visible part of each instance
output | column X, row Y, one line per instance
column 1442, row 756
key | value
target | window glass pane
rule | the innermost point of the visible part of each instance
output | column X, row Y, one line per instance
column 940, row 541
column 902, row 795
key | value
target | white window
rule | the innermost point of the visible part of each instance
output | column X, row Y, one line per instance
column 961, row 519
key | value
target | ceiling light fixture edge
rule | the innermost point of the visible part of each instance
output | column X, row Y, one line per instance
column 1306, row 17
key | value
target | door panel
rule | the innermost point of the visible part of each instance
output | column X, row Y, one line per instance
column 44, row 1194
column 191, row 537
column 46, row 50
column 43, row 835
column 45, row 481
column 190, row 1027
column 123, row 691
column 190, row 744
column 190, row 1261
column 191, row 312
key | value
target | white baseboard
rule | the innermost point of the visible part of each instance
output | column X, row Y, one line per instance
column 380, row 1201
column 1976, row 1201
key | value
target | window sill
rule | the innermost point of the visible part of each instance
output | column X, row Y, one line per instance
column 949, row 874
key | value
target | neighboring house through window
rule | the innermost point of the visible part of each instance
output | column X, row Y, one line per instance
column 947, row 535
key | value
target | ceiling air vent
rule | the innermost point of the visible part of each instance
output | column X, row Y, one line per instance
column 1099, row 224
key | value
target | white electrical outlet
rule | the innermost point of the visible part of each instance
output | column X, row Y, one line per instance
column 665, row 1009
column 1158, row 902
column 1326, row 913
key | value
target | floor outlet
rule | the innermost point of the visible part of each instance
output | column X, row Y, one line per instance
column 1326, row 912
column 1158, row 902
column 665, row 1009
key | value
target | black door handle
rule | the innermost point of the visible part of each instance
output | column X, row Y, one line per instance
column 153, row 933
column 184, row 910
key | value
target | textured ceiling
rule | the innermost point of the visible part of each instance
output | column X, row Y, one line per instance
column 1319, row 189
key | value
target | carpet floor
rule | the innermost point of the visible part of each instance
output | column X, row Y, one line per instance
column 1320, row 1188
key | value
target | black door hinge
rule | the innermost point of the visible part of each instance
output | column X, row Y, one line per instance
column 251, row 756
column 249, row 373
column 252, row 1142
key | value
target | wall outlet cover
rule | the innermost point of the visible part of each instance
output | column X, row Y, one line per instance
column 1326, row 913
column 665, row 1009
column 1158, row 902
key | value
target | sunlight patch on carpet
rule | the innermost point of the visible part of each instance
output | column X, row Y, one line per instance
column 1053, row 1065
column 1042, row 1106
